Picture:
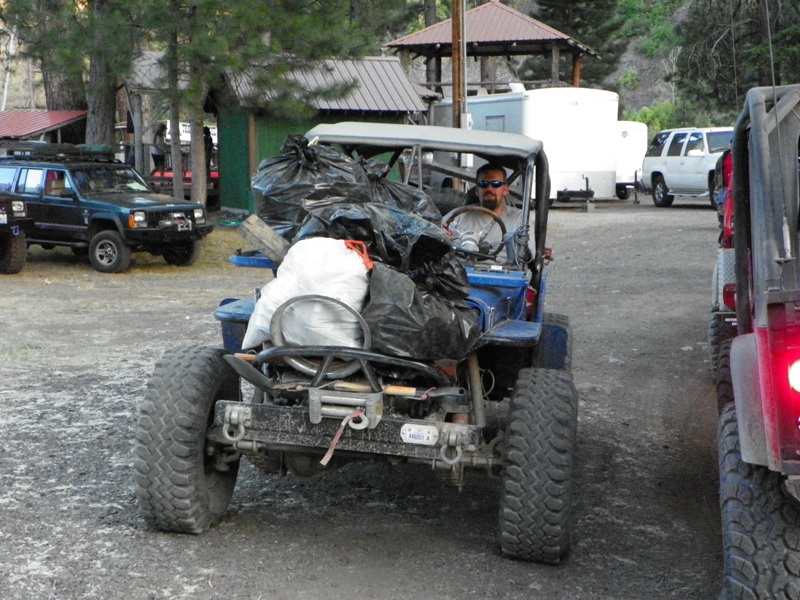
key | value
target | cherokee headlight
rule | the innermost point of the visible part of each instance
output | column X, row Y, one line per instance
column 199, row 215
column 18, row 208
column 137, row 218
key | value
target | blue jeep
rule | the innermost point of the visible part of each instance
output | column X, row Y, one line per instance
column 503, row 403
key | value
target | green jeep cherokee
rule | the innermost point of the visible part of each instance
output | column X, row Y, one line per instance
column 94, row 204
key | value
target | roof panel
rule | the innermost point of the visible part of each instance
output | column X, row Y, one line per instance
column 489, row 24
column 23, row 124
column 381, row 85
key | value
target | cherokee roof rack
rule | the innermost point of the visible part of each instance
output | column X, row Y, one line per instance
column 44, row 151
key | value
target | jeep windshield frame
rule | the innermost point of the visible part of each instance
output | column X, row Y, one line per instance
column 523, row 156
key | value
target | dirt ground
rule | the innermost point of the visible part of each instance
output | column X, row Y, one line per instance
column 76, row 348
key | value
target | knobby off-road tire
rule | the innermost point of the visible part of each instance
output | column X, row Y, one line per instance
column 13, row 252
column 554, row 350
column 760, row 525
column 661, row 196
column 718, row 332
column 182, row 483
column 183, row 255
column 536, row 489
column 724, row 381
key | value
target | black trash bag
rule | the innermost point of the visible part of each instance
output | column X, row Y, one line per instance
column 446, row 278
column 393, row 236
column 407, row 321
column 302, row 177
column 400, row 195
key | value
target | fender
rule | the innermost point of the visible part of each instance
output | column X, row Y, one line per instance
column 100, row 217
column 747, row 398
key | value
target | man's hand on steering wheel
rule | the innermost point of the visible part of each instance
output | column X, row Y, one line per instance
column 485, row 249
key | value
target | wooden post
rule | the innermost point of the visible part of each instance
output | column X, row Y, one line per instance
column 576, row 70
column 264, row 238
column 457, row 62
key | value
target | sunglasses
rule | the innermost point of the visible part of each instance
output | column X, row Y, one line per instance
column 495, row 184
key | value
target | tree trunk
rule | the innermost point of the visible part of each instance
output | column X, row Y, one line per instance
column 199, row 175
column 174, row 117
column 100, row 90
column 102, row 102
column 61, row 92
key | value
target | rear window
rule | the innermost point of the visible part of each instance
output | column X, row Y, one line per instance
column 7, row 178
column 676, row 144
column 718, row 141
column 657, row 145
column 30, row 181
column 695, row 142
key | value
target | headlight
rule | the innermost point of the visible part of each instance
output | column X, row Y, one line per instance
column 137, row 218
column 18, row 207
column 199, row 215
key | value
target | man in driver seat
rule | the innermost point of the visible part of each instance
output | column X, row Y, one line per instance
column 477, row 231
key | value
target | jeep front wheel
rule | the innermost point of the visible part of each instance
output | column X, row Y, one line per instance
column 760, row 523
column 184, row 482
column 536, row 489
column 183, row 255
column 13, row 252
column 108, row 253
column 661, row 196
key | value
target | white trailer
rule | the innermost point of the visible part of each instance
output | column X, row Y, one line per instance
column 578, row 127
column 632, row 139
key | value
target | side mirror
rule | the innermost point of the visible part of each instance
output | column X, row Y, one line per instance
column 695, row 153
column 68, row 193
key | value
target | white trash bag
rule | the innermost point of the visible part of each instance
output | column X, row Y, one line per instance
column 322, row 266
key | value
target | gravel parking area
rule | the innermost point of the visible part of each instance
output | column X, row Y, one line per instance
column 77, row 346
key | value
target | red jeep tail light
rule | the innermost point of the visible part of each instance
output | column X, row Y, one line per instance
column 794, row 376
column 729, row 295
column 779, row 358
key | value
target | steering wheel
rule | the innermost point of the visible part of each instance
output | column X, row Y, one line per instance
column 492, row 252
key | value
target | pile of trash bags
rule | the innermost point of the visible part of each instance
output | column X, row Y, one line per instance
column 371, row 243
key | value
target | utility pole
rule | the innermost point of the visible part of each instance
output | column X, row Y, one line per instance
column 459, row 62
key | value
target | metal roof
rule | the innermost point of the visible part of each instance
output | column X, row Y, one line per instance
column 26, row 124
column 492, row 29
column 381, row 86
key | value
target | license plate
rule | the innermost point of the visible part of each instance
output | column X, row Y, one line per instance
column 424, row 435
column 3, row 218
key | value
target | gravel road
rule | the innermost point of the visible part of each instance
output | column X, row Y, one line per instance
column 76, row 348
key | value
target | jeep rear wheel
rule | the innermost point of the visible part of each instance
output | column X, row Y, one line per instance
column 184, row 482
column 661, row 196
column 719, row 330
column 723, row 376
column 108, row 253
column 184, row 254
column 760, row 524
column 13, row 252
column 536, row 489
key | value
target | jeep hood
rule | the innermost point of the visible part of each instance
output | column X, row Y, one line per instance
column 140, row 200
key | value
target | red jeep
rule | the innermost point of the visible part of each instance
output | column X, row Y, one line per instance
column 754, row 337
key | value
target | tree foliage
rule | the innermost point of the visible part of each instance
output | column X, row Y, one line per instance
column 594, row 23
column 733, row 45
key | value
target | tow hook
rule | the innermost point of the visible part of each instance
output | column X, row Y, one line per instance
column 450, row 451
column 234, row 421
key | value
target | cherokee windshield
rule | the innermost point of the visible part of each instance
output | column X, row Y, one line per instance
column 94, row 180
